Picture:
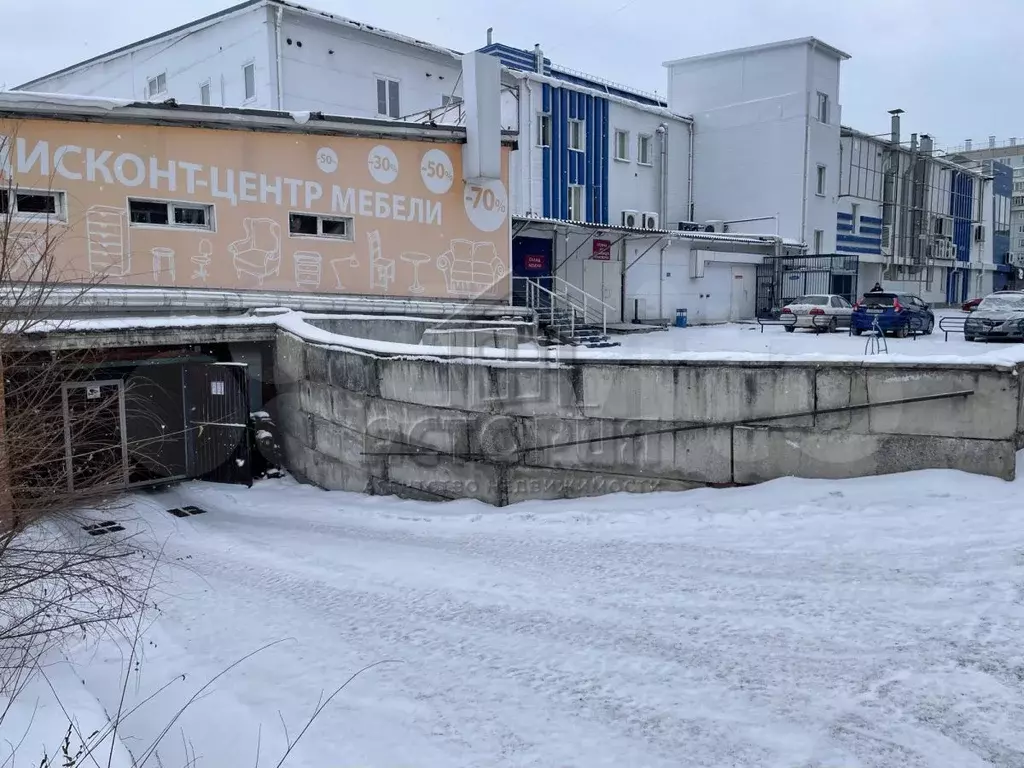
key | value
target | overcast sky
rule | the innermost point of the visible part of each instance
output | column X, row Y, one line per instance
column 953, row 66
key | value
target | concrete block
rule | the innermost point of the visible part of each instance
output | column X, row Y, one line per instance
column 354, row 372
column 289, row 358
column 839, row 387
column 411, row 426
column 723, row 393
column 332, row 475
column 990, row 413
column 396, row 330
column 703, row 456
column 349, row 408
column 629, row 392
column 315, row 399
column 291, row 418
column 544, row 390
column 528, row 483
column 387, row 488
column 317, row 363
column 450, row 478
column 497, row 438
column 761, row 454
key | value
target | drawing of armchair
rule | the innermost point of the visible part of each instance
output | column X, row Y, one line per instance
column 470, row 268
column 259, row 253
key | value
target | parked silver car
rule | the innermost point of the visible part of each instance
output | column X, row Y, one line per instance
column 821, row 311
column 999, row 317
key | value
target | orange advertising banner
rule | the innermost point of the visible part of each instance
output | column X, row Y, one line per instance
column 186, row 207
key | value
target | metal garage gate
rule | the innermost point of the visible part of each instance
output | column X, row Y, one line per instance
column 784, row 278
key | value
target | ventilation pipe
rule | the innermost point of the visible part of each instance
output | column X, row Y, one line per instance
column 967, row 144
column 662, row 132
column 538, row 59
column 278, row 24
column 991, row 142
column 895, row 126
column 490, row 35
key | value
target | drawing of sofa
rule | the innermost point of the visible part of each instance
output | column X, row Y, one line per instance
column 470, row 268
column 259, row 253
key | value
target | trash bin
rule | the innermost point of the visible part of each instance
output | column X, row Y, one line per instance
column 680, row 318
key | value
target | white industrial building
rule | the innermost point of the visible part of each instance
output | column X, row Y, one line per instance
column 601, row 184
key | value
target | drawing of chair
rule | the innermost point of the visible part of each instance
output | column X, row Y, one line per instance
column 163, row 261
column 308, row 268
column 259, row 253
column 416, row 259
column 106, row 231
column 470, row 269
column 202, row 261
column 338, row 264
column 382, row 270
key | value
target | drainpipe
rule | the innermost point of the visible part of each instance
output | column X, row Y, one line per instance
column 807, row 142
column 661, row 281
column 689, row 177
column 278, row 16
column 662, row 132
column 526, row 113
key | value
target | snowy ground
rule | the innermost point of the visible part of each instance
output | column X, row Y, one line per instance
column 875, row 622
column 747, row 341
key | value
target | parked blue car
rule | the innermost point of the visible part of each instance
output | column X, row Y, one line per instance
column 897, row 313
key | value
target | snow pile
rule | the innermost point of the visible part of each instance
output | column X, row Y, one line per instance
column 872, row 622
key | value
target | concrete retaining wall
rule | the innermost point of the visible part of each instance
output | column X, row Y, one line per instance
column 503, row 433
column 411, row 330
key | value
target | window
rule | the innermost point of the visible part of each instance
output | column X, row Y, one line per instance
column 249, row 73
column 819, row 240
column 387, row 98
column 622, row 145
column 29, row 203
column 204, row 93
column 167, row 213
column 157, row 85
column 822, row 107
column 822, row 179
column 576, row 134
column 576, row 203
column 311, row 225
column 449, row 101
column 643, row 149
column 543, row 130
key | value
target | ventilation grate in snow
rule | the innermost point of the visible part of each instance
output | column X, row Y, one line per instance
column 187, row 511
column 98, row 529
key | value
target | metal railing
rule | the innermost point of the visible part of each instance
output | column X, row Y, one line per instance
column 594, row 310
column 547, row 304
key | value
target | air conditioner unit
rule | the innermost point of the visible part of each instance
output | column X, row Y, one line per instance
column 631, row 219
column 714, row 225
column 943, row 226
column 688, row 226
column 979, row 233
column 649, row 220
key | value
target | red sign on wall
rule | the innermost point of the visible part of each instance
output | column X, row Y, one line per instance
column 536, row 262
column 602, row 250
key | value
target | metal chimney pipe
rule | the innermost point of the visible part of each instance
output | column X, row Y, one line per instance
column 538, row 59
column 967, row 144
column 490, row 35
column 991, row 142
column 895, row 137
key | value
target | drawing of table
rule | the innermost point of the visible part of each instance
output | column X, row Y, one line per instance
column 416, row 259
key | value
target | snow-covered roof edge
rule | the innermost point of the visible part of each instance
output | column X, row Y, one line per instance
column 558, row 83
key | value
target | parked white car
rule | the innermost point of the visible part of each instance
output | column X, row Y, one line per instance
column 821, row 311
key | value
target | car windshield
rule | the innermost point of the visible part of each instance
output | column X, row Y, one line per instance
column 820, row 300
column 1008, row 303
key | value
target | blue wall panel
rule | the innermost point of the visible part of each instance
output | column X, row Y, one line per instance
column 563, row 166
column 961, row 208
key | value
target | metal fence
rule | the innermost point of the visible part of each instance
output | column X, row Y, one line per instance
column 784, row 278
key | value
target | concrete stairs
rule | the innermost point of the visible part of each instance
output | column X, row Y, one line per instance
column 566, row 325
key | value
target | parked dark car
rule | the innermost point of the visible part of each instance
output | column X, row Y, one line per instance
column 897, row 313
column 999, row 317
column 970, row 306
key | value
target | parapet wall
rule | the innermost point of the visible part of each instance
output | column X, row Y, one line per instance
column 508, row 431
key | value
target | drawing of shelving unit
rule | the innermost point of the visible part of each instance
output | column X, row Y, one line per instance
column 107, row 236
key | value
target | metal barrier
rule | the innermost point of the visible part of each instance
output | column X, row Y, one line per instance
column 952, row 324
column 787, row 320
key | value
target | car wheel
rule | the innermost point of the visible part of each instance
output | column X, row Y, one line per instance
column 790, row 329
column 930, row 327
column 968, row 338
column 833, row 325
column 902, row 331
column 858, row 331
